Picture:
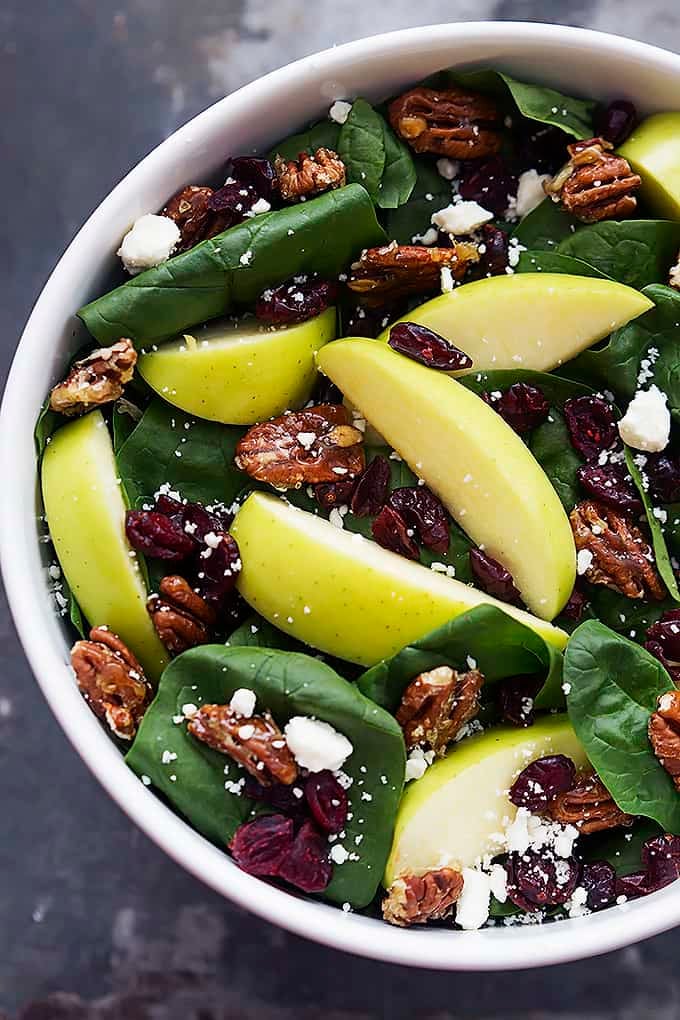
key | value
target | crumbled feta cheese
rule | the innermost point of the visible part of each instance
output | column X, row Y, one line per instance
column 316, row 745
column 584, row 560
column 338, row 854
column 446, row 278
column 576, row 905
column 243, row 702
column 306, row 439
column 246, row 258
column 472, row 908
column 418, row 763
column 448, row 168
column 498, row 879
column 462, row 218
column 151, row 241
column 261, row 206
column 646, row 425
column 515, row 249
column 428, row 238
column 339, row 111
column 530, row 192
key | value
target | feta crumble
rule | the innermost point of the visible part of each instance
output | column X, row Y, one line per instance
column 472, row 908
column 462, row 218
column 448, row 168
column 339, row 111
column 584, row 560
column 446, row 278
column 316, row 745
column 646, row 425
column 151, row 241
column 243, row 702
column 530, row 192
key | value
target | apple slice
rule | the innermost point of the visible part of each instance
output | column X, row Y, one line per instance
column 342, row 593
column 653, row 151
column 239, row 373
column 86, row 516
column 530, row 320
column 450, row 816
column 470, row 458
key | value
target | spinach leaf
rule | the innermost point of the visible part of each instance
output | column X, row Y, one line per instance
column 399, row 175
column 499, row 644
column 430, row 193
column 256, row 632
column 47, row 424
column 613, row 687
column 537, row 261
column 635, row 252
column 549, row 442
column 234, row 267
column 545, row 226
column 193, row 456
column 322, row 135
column 124, row 418
column 621, row 848
column 661, row 554
column 624, row 615
column 287, row 684
column 361, row 147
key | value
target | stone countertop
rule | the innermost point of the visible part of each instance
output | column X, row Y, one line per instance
column 95, row 922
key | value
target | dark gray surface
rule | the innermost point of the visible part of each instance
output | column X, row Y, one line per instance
column 92, row 916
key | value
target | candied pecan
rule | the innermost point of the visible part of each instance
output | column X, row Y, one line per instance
column 450, row 122
column 595, row 184
column 111, row 681
column 314, row 445
column 620, row 556
column 589, row 806
column 309, row 174
column 664, row 733
column 437, row 704
column 256, row 743
column 181, row 617
column 95, row 380
column 415, row 899
column 190, row 210
column 397, row 270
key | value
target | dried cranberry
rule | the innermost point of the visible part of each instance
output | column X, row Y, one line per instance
column 522, row 406
column 370, row 492
column 663, row 642
column 391, row 531
column 576, row 606
column 612, row 485
column 200, row 521
column 536, row 880
column 591, row 424
column 261, row 846
column 332, row 494
column 327, row 801
column 492, row 577
column 494, row 251
column 296, row 300
column 424, row 513
column 663, row 471
column 157, row 536
column 218, row 567
column 306, row 864
column 632, row 886
column 427, row 347
column 232, row 201
column 616, row 121
column 489, row 183
column 256, row 172
column 661, row 860
column 543, row 779
column 541, row 147
column 599, row 881
column 516, row 697
column 279, row 796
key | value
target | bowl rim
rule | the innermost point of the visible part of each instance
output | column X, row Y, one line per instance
column 490, row 949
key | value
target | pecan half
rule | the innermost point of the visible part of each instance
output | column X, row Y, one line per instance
column 95, row 380
column 415, row 899
column 621, row 558
column 309, row 175
column 190, row 210
column 181, row 617
column 314, row 445
column 437, row 704
column 664, row 733
column 589, row 806
column 595, row 184
column 256, row 743
column 111, row 681
column 396, row 270
column 450, row 122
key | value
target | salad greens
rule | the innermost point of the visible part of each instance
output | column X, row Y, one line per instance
column 635, row 252
column 375, row 157
column 661, row 553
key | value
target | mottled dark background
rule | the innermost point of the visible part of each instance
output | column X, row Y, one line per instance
column 94, row 921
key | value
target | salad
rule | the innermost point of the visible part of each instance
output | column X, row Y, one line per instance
column 364, row 496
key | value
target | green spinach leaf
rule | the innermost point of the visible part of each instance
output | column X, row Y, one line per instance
column 635, row 252
column 47, row 424
column 500, row 646
column 195, row 457
column 621, row 848
column 626, row 616
column 322, row 135
column 234, row 267
column 430, row 193
column 287, row 684
column 361, row 147
column 256, row 632
column 537, row 261
column 544, row 227
column 613, row 687
column 661, row 554
column 399, row 175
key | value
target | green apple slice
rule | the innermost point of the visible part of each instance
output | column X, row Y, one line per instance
column 529, row 320
column 451, row 816
column 85, row 512
column 474, row 462
column 342, row 593
column 653, row 151
column 239, row 373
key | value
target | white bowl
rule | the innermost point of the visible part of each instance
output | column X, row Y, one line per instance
column 574, row 60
